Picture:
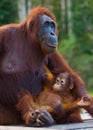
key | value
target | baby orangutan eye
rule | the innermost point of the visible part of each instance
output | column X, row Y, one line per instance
column 63, row 81
column 57, row 80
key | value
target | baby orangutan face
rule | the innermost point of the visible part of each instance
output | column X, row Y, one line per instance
column 63, row 83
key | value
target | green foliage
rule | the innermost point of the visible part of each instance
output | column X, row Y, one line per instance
column 67, row 46
column 82, row 16
column 39, row 3
column 8, row 11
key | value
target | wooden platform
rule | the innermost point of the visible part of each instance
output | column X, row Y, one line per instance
column 75, row 126
column 87, row 125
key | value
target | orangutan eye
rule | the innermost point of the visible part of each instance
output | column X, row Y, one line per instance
column 46, row 24
column 57, row 80
column 52, row 24
column 63, row 81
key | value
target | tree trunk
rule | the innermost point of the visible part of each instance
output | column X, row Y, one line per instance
column 69, row 17
column 63, row 14
column 28, row 6
column 21, row 10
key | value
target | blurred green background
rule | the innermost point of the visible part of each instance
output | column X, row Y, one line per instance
column 75, row 24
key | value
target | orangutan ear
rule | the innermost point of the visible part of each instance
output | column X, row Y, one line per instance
column 71, row 86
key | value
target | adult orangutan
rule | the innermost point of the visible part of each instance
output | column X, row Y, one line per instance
column 24, row 49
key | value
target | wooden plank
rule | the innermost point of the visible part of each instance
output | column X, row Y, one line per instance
column 74, row 126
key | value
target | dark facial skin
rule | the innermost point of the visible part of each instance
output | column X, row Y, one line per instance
column 47, row 35
column 62, row 83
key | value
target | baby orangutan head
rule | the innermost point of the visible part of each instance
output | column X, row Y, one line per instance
column 63, row 83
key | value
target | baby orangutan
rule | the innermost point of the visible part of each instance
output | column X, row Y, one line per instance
column 56, row 99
